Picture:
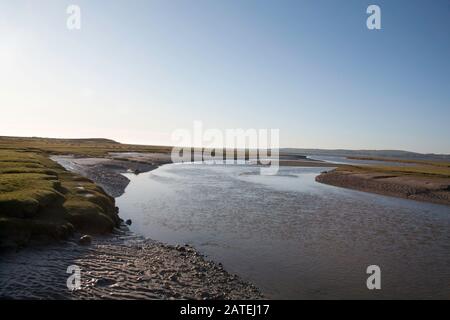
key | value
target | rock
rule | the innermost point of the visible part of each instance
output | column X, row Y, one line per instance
column 128, row 222
column 85, row 240
column 103, row 282
column 173, row 277
column 205, row 295
column 137, row 171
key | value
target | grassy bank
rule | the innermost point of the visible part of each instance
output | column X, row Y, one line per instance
column 444, row 164
column 416, row 180
column 420, row 169
column 81, row 147
column 40, row 199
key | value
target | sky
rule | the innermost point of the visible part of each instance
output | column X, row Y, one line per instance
column 137, row 71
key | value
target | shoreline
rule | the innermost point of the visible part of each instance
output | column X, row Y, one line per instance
column 431, row 190
column 106, row 172
column 121, row 265
column 118, row 266
column 174, row 277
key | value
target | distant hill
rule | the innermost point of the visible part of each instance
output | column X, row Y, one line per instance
column 81, row 147
column 100, row 146
column 59, row 140
column 398, row 154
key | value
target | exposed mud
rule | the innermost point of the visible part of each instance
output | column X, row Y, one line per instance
column 107, row 172
column 435, row 190
column 118, row 267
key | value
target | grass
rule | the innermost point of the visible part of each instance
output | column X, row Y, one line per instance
column 39, row 198
column 424, row 169
column 82, row 147
column 445, row 164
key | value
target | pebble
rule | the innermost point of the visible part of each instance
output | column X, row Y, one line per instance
column 181, row 249
column 85, row 240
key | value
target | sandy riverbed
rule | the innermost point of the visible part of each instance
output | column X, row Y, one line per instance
column 121, row 266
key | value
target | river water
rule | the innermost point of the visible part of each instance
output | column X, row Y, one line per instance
column 291, row 236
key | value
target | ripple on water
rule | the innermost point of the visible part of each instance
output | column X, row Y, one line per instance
column 294, row 237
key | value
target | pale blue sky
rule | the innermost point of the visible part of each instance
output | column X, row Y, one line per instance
column 137, row 70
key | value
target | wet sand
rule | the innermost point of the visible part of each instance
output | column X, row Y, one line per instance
column 107, row 172
column 149, row 270
column 118, row 267
column 306, row 163
column 434, row 190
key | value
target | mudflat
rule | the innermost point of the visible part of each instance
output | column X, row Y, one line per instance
column 106, row 172
column 429, row 183
column 120, row 266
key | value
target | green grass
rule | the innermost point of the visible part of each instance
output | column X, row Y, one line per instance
column 38, row 198
column 428, row 170
column 418, row 162
column 83, row 147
